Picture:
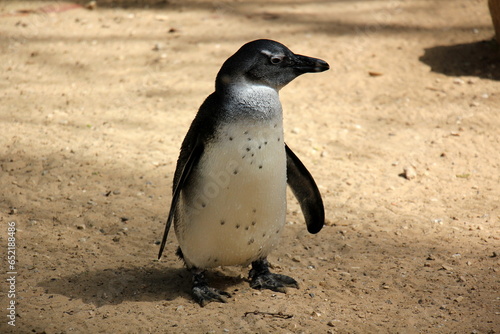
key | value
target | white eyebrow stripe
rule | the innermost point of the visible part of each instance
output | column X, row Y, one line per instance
column 270, row 54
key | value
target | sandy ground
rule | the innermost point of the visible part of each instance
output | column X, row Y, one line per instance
column 95, row 104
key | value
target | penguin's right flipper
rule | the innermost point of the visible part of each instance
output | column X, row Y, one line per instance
column 193, row 159
column 306, row 191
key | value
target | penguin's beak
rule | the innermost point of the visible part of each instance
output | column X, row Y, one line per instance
column 306, row 64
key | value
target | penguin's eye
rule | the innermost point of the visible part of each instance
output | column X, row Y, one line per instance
column 276, row 60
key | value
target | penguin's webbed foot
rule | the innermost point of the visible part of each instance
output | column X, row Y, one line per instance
column 262, row 278
column 203, row 294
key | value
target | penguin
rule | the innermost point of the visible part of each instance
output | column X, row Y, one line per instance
column 229, row 187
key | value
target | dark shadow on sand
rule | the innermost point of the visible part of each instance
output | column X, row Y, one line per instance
column 480, row 59
column 116, row 285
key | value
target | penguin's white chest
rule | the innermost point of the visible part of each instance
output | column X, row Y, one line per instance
column 234, row 209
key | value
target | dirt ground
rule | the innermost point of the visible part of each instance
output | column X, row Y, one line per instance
column 402, row 136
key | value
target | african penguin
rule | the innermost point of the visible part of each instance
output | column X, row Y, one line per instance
column 229, row 188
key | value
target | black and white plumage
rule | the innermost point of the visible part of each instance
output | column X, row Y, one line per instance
column 229, row 188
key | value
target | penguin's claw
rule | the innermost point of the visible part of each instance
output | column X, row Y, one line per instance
column 262, row 278
column 274, row 282
column 205, row 294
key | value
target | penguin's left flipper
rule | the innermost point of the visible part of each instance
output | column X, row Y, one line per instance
column 306, row 191
column 192, row 161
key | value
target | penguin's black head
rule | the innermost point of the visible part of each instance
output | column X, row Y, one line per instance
column 267, row 63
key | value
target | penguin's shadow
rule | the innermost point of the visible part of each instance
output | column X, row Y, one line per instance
column 480, row 59
column 116, row 285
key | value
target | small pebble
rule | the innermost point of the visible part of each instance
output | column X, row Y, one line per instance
column 158, row 47
column 374, row 74
column 447, row 268
column 331, row 323
column 91, row 5
column 409, row 172
column 161, row 17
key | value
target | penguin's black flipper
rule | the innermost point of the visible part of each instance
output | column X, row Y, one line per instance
column 306, row 191
column 193, row 159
